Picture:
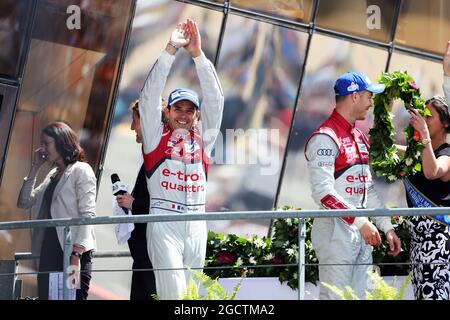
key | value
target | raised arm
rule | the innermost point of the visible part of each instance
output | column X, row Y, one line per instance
column 28, row 194
column 446, row 67
column 213, row 99
column 150, row 98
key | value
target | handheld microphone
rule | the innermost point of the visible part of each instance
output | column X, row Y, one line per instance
column 118, row 188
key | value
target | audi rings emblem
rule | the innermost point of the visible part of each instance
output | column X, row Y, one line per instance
column 325, row 152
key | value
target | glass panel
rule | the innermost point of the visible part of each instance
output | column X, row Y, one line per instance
column 70, row 76
column 424, row 25
column 7, row 99
column 297, row 10
column 427, row 74
column 148, row 38
column 316, row 104
column 364, row 18
column 70, row 73
column 260, row 67
column 13, row 23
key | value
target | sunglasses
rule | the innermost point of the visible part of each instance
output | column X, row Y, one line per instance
column 438, row 98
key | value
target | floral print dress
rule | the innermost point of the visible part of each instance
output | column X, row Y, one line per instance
column 430, row 239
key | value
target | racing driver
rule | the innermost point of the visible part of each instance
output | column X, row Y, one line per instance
column 338, row 162
column 176, row 158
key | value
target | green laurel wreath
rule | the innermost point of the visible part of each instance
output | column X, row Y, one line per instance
column 385, row 160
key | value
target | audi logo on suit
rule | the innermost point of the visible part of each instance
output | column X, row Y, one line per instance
column 324, row 152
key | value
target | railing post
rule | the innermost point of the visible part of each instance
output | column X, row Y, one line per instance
column 301, row 258
column 67, row 251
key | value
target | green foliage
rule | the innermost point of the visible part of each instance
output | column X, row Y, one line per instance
column 392, row 265
column 231, row 250
column 384, row 291
column 238, row 254
column 285, row 250
column 384, row 158
column 381, row 291
column 346, row 294
column 214, row 291
column 281, row 248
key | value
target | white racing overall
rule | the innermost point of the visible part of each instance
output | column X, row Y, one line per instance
column 176, row 166
column 338, row 163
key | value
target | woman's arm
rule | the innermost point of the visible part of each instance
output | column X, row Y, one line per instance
column 433, row 168
column 28, row 194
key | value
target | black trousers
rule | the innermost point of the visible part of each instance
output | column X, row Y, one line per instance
column 142, row 282
column 52, row 260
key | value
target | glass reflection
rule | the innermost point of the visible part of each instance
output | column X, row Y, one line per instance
column 259, row 67
column 365, row 18
column 424, row 25
column 297, row 10
column 13, row 22
column 316, row 104
column 7, row 99
column 69, row 76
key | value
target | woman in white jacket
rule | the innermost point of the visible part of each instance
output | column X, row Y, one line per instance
column 68, row 191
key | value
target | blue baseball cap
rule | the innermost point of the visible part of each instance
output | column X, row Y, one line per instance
column 355, row 82
column 183, row 94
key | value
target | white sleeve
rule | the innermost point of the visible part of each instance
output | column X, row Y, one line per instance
column 373, row 202
column 28, row 193
column 446, row 87
column 150, row 101
column 321, row 153
column 86, row 191
column 212, row 103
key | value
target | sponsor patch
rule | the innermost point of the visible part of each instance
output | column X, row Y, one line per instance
column 325, row 152
column 325, row 164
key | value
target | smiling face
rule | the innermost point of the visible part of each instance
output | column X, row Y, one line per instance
column 182, row 115
column 49, row 148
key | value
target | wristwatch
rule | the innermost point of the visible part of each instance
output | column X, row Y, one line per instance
column 77, row 254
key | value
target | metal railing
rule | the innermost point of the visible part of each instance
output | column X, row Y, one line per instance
column 238, row 215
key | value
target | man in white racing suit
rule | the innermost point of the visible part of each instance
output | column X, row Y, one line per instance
column 176, row 158
column 338, row 162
